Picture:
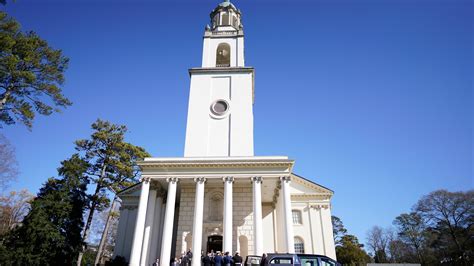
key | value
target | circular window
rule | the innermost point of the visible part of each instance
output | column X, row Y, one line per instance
column 219, row 107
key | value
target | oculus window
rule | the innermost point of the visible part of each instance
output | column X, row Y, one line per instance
column 220, row 107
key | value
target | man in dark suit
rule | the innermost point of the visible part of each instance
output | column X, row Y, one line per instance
column 237, row 259
column 206, row 260
column 227, row 260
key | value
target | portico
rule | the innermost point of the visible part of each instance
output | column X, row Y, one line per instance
column 221, row 174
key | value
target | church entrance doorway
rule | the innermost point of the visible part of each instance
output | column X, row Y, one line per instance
column 214, row 243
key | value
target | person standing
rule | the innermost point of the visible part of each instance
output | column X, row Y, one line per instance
column 206, row 260
column 185, row 260
column 174, row 262
column 190, row 255
column 237, row 259
column 218, row 259
column 263, row 262
column 227, row 259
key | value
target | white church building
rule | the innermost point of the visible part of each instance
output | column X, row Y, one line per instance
column 219, row 196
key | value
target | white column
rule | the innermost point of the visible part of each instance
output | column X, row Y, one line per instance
column 150, row 215
column 140, row 224
column 166, row 239
column 162, row 221
column 228, row 214
column 156, row 229
column 197, row 222
column 289, row 236
column 257, row 215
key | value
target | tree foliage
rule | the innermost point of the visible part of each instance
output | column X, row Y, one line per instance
column 412, row 232
column 438, row 231
column 51, row 232
column 112, row 164
column 348, row 249
column 351, row 252
column 31, row 75
column 449, row 217
column 338, row 229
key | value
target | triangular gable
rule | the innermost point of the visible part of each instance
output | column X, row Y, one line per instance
column 133, row 190
column 301, row 185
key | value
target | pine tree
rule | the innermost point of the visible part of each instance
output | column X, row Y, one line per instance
column 31, row 75
column 112, row 165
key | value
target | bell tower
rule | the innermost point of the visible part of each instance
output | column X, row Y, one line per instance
column 220, row 111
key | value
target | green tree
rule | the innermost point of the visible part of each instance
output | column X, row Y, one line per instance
column 51, row 232
column 351, row 252
column 400, row 252
column 338, row 229
column 348, row 249
column 31, row 75
column 112, row 165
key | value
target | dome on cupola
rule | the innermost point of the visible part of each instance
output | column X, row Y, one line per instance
column 225, row 17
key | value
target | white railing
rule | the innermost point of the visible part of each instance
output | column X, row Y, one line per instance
column 226, row 32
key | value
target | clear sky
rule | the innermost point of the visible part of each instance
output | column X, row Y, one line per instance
column 372, row 98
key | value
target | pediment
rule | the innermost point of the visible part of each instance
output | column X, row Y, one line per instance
column 303, row 186
column 132, row 191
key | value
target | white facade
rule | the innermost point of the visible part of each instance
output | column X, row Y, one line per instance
column 230, row 134
column 220, row 196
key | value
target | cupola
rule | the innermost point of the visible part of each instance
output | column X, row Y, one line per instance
column 225, row 17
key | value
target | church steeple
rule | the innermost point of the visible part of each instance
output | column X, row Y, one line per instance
column 220, row 115
column 224, row 38
column 225, row 16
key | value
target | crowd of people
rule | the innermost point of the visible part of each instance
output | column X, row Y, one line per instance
column 210, row 259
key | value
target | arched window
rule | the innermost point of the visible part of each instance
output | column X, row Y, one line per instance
column 299, row 245
column 223, row 55
column 189, row 241
column 235, row 21
column 216, row 207
column 225, row 19
column 296, row 216
column 244, row 246
column 215, row 20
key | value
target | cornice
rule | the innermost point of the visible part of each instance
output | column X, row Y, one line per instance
column 217, row 164
column 304, row 197
column 196, row 70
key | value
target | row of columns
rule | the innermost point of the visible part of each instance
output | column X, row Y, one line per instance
column 141, row 237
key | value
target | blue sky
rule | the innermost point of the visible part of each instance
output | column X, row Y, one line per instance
column 373, row 99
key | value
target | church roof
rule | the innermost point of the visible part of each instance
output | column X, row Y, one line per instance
column 225, row 5
column 314, row 183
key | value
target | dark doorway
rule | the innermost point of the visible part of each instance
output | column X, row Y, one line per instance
column 214, row 243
